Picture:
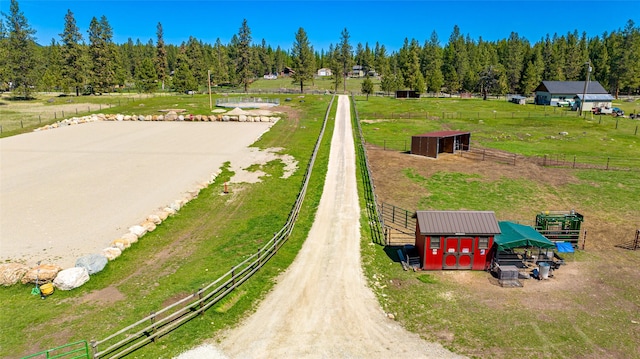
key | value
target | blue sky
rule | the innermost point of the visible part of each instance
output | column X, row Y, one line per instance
column 388, row 22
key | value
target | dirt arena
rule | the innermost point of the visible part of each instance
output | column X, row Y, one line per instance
column 71, row 191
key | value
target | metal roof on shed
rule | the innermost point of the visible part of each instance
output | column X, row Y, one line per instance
column 570, row 87
column 596, row 97
column 457, row 222
column 443, row 134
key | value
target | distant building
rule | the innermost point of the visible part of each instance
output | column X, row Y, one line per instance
column 554, row 92
column 270, row 77
column 324, row 72
column 356, row 71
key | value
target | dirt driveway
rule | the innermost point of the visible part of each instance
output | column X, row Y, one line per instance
column 69, row 192
column 322, row 306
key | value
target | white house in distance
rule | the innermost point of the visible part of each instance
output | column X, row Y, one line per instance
column 554, row 92
column 324, row 72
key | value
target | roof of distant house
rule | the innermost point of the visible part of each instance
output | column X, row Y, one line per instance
column 571, row 87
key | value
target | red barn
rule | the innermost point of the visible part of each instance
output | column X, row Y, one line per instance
column 455, row 239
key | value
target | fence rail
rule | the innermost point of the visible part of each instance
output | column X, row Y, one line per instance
column 157, row 324
column 376, row 222
column 232, row 100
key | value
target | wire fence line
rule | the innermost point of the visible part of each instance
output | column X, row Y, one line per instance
column 611, row 163
column 157, row 324
column 376, row 222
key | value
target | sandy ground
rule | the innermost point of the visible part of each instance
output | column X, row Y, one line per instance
column 322, row 306
column 69, row 192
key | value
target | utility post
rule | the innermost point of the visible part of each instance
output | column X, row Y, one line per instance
column 584, row 91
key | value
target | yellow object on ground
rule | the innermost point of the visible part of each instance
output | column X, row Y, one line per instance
column 46, row 289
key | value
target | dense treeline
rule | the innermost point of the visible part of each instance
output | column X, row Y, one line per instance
column 95, row 64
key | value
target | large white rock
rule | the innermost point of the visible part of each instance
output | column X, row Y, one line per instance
column 138, row 230
column 93, row 263
column 71, row 278
column 11, row 273
column 154, row 218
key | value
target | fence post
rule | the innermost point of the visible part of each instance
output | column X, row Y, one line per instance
column 55, row 115
column 405, row 145
column 94, row 347
column 616, row 123
column 76, row 110
column 443, row 115
column 544, row 162
column 608, row 158
column 384, row 145
column 21, row 125
column 39, row 119
column 200, row 300
column 62, row 113
column 153, row 327
column 514, row 159
column 574, row 161
column 635, row 133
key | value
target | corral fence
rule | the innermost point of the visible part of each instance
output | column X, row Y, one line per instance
column 537, row 112
column 227, row 101
column 376, row 222
column 158, row 324
column 633, row 244
column 399, row 225
column 76, row 350
column 612, row 163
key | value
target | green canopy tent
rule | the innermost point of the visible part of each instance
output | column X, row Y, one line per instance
column 516, row 235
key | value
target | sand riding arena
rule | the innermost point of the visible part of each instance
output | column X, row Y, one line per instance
column 94, row 185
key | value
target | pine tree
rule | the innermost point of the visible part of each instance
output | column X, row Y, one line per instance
column 102, row 55
column 336, row 66
column 432, row 64
column 346, row 56
column 21, row 55
column 161, row 63
column 367, row 87
column 72, row 51
column 303, row 60
column 146, row 76
column 183, row 79
column 52, row 76
column 220, row 71
column 244, row 55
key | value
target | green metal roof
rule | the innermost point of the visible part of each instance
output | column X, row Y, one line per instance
column 516, row 235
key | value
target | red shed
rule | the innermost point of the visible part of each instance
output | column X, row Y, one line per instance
column 455, row 239
column 432, row 143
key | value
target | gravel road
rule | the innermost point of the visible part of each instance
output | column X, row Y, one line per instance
column 321, row 306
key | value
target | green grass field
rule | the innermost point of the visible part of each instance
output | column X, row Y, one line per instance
column 596, row 317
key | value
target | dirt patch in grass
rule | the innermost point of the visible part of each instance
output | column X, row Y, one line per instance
column 105, row 296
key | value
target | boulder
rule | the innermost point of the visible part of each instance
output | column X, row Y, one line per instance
column 11, row 273
column 93, row 263
column 171, row 116
column 71, row 278
column 112, row 253
column 163, row 215
column 154, row 218
column 129, row 238
column 121, row 244
column 120, row 117
column 138, row 230
column 180, row 118
column 242, row 118
column 149, row 226
column 43, row 273
column 160, row 118
column 142, row 118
